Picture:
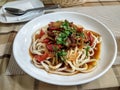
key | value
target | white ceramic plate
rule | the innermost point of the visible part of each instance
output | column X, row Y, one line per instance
column 23, row 40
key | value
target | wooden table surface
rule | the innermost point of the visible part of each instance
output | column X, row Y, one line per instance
column 111, row 80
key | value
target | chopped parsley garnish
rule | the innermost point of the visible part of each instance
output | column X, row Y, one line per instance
column 63, row 35
column 87, row 50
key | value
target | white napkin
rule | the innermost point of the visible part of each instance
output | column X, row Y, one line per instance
column 23, row 5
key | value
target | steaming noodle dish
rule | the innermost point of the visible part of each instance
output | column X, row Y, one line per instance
column 64, row 48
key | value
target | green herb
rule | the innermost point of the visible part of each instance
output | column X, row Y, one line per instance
column 60, row 40
column 66, row 26
column 81, row 34
column 67, row 30
column 87, row 50
column 61, row 54
column 55, row 48
column 62, row 35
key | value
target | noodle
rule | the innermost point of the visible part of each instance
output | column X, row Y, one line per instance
column 64, row 48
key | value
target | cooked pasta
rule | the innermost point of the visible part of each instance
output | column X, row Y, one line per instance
column 63, row 48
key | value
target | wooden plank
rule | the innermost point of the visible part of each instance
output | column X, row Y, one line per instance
column 91, row 4
column 20, row 82
column 110, row 3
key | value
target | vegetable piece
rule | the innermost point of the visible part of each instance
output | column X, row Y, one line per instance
column 59, row 46
column 37, row 36
column 46, row 40
column 60, row 40
column 61, row 54
column 66, row 32
column 62, row 35
column 51, row 34
column 87, row 50
column 65, row 25
column 53, row 47
column 54, row 26
column 40, row 58
column 80, row 29
column 41, row 33
column 82, row 35
column 90, row 38
column 50, row 47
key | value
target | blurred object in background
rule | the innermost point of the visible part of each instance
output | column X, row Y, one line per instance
column 2, row 2
column 47, row 2
column 68, row 3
